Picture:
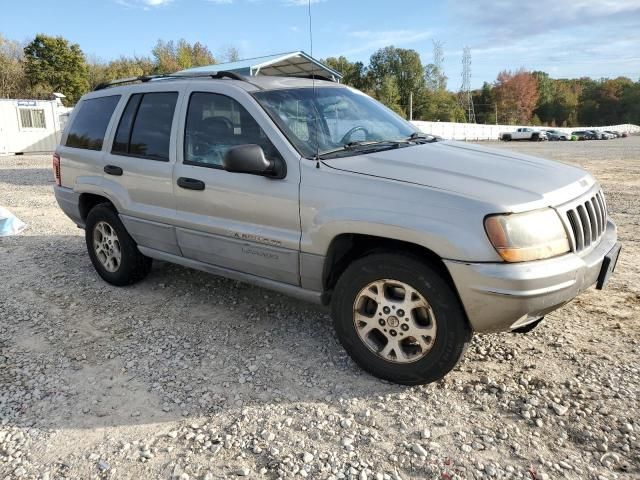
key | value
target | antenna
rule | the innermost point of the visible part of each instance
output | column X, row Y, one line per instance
column 313, row 84
column 466, row 99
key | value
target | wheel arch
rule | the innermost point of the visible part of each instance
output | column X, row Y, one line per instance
column 347, row 247
column 89, row 200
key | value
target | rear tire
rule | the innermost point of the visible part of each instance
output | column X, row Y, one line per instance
column 408, row 345
column 113, row 252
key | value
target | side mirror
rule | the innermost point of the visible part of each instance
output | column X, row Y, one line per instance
column 250, row 159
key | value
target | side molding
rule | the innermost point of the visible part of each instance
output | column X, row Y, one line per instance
column 284, row 288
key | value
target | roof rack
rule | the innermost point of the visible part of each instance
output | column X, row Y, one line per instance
column 148, row 78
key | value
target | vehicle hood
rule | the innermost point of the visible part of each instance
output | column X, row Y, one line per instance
column 499, row 177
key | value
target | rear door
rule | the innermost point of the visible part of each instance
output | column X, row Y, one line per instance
column 236, row 221
column 138, row 167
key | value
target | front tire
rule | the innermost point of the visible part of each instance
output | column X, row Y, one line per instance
column 113, row 252
column 399, row 319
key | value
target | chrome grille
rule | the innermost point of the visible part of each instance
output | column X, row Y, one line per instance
column 588, row 221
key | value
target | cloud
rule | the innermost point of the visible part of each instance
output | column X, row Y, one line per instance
column 506, row 20
column 364, row 40
column 300, row 3
column 143, row 4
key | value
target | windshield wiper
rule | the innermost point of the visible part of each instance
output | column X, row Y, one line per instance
column 362, row 146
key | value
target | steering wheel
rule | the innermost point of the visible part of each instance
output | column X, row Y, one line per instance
column 347, row 136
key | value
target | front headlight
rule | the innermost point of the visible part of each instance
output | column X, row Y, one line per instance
column 520, row 237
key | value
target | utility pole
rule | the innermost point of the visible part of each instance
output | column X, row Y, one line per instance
column 496, row 105
column 466, row 99
column 410, row 106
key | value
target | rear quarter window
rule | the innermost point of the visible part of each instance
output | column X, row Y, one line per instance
column 90, row 123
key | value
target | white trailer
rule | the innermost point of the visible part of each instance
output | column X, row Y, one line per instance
column 30, row 126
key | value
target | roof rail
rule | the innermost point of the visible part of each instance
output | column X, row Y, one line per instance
column 113, row 83
column 147, row 78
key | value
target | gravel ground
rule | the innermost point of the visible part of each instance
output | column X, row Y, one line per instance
column 187, row 375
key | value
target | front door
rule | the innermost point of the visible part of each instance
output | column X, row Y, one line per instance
column 237, row 221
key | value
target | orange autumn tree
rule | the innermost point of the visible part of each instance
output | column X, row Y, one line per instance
column 516, row 94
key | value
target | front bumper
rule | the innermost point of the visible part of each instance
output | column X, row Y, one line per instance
column 501, row 296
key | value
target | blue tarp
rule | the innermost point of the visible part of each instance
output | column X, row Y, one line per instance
column 9, row 223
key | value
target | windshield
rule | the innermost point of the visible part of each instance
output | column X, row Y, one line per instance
column 332, row 118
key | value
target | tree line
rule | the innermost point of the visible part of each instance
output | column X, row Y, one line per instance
column 53, row 64
column 395, row 76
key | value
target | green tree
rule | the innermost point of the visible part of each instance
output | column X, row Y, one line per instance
column 600, row 103
column 173, row 56
column 125, row 67
column 52, row 64
column 630, row 104
column 389, row 94
column 354, row 74
column 566, row 101
column 405, row 67
column 484, row 104
column 435, row 79
column 12, row 76
column 229, row 54
column 545, row 109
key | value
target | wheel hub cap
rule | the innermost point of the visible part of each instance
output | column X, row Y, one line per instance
column 394, row 321
column 107, row 246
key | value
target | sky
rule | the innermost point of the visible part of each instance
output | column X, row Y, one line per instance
column 567, row 39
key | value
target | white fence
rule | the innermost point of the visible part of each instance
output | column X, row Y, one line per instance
column 474, row 131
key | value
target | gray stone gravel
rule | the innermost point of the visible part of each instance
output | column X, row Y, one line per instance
column 190, row 376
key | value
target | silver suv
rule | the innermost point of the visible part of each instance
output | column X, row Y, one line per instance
column 317, row 191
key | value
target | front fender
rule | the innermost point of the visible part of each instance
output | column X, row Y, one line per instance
column 447, row 239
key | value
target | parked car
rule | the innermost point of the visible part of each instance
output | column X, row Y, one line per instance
column 555, row 135
column 583, row 135
column 613, row 133
column 415, row 243
column 597, row 135
column 606, row 135
column 524, row 133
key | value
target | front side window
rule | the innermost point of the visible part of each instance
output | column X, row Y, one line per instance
column 330, row 117
column 90, row 123
column 32, row 118
column 145, row 126
column 215, row 123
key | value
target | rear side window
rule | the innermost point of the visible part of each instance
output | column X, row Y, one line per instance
column 145, row 126
column 216, row 123
column 90, row 124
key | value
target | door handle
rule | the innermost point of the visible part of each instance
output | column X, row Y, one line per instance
column 190, row 183
column 112, row 170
